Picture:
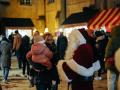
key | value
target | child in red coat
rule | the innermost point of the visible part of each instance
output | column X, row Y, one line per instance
column 40, row 53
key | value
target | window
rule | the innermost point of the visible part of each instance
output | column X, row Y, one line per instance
column 117, row 3
column 105, row 4
column 5, row 2
column 26, row 2
column 50, row 1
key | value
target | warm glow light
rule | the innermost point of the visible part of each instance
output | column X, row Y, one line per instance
column 41, row 34
column 46, row 30
column 60, row 30
column 34, row 30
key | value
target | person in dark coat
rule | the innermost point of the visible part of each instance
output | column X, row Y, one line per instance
column 11, row 38
column 25, row 47
column 62, row 43
column 54, row 73
column 112, row 47
column 101, row 42
column 5, row 49
column 78, row 67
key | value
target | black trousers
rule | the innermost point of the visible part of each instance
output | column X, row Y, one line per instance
column 26, row 66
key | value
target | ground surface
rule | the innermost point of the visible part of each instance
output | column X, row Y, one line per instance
column 16, row 82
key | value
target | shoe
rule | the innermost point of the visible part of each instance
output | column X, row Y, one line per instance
column 4, row 81
column 27, row 76
column 31, row 81
column 22, row 75
column 98, row 78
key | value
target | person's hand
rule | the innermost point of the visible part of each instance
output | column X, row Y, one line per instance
column 53, row 82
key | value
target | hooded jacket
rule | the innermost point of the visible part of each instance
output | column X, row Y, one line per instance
column 39, row 53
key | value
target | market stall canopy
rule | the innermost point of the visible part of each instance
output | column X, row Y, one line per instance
column 16, row 22
column 107, row 18
column 81, row 18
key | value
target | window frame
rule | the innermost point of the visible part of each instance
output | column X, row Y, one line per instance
column 51, row 1
column 26, row 2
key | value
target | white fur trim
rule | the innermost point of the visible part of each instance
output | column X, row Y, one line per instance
column 117, row 59
column 76, row 34
column 96, row 65
column 61, row 72
column 80, row 69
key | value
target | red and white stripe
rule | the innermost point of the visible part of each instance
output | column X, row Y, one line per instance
column 107, row 18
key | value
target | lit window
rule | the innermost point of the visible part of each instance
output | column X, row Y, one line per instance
column 50, row 1
column 26, row 2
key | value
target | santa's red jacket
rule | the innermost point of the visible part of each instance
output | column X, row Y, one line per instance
column 80, row 69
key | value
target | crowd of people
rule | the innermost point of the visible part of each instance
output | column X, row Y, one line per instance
column 77, row 60
column 34, row 57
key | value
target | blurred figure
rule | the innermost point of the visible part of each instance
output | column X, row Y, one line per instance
column 61, row 45
column 11, row 38
column 92, row 40
column 39, row 57
column 25, row 47
column 101, row 42
column 5, row 58
column 78, row 67
column 17, row 47
column 117, row 64
column 53, row 71
column 112, row 46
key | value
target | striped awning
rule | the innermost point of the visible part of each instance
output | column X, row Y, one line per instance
column 107, row 18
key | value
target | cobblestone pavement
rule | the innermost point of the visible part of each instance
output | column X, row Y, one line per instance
column 18, row 82
column 23, row 84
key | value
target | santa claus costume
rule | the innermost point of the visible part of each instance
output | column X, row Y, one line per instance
column 78, row 67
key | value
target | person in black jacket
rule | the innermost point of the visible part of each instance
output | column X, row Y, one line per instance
column 25, row 47
column 53, row 72
column 62, row 43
